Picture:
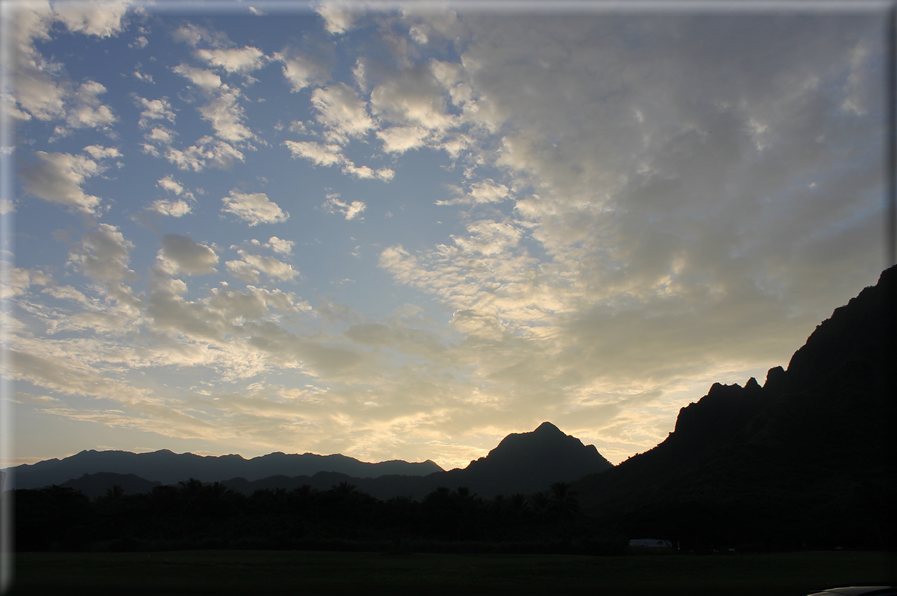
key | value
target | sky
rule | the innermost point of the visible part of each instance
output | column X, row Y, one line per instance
column 404, row 231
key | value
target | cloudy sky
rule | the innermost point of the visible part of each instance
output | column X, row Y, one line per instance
column 405, row 231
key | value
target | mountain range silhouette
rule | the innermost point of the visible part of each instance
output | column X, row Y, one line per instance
column 521, row 463
column 167, row 467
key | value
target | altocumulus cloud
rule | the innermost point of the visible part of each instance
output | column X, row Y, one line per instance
column 250, row 265
column 104, row 254
column 176, row 208
column 58, row 177
column 349, row 210
column 180, row 254
column 241, row 60
column 254, row 208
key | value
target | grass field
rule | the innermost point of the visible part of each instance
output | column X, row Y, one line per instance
column 288, row 572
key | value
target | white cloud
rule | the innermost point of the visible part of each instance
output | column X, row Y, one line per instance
column 178, row 208
column 412, row 97
column 398, row 139
column 87, row 111
column 180, row 254
column 359, row 73
column 226, row 117
column 202, row 78
column 171, row 185
column 322, row 155
column 222, row 111
column 66, row 293
column 37, row 93
column 251, row 265
column 194, row 35
column 40, row 91
column 58, row 177
column 482, row 192
column 283, row 247
column 239, row 60
column 206, row 151
column 365, row 172
column 338, row 17
column 418, row 34
column 254, row 208
column 298, row 126
column 18, row 280
column 243, row 270
column 340, row 108
column 354, row 208
column 857, row 87
column 141, row 76
column 300, row 70
column 250, row 305
column 349, row 210
column 489, row 238
column 102, row 19
column 487, row 191
column 330, row 154
column 39, row 97
column 137, row 408
column 432, row 26
column 103, row 254
column 8, row 105
column 154, row 109
column 99, row 152
column 163, row 136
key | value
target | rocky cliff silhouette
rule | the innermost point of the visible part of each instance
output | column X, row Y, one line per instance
column 807, row 456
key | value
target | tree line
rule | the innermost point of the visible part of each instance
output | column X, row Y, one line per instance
column 197, row 515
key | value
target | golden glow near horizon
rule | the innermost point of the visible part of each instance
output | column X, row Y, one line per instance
column 404, row 233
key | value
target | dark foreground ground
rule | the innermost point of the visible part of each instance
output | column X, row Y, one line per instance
column 290, row 572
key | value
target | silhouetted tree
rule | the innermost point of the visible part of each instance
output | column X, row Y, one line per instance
column 563, row 500
column 541, row 505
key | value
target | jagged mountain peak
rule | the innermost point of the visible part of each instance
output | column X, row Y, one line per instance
column 546, row 438
column 545, row 431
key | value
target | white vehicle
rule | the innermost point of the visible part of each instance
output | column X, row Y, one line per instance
column 859, row 591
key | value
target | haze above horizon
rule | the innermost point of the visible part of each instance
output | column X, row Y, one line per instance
column 405, row 232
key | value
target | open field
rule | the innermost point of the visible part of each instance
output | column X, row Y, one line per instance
column 288, row 572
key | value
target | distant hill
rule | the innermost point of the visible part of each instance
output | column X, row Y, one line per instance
column 167, row 467
column 805, row 459
column 527, row 463
column 97, row 485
